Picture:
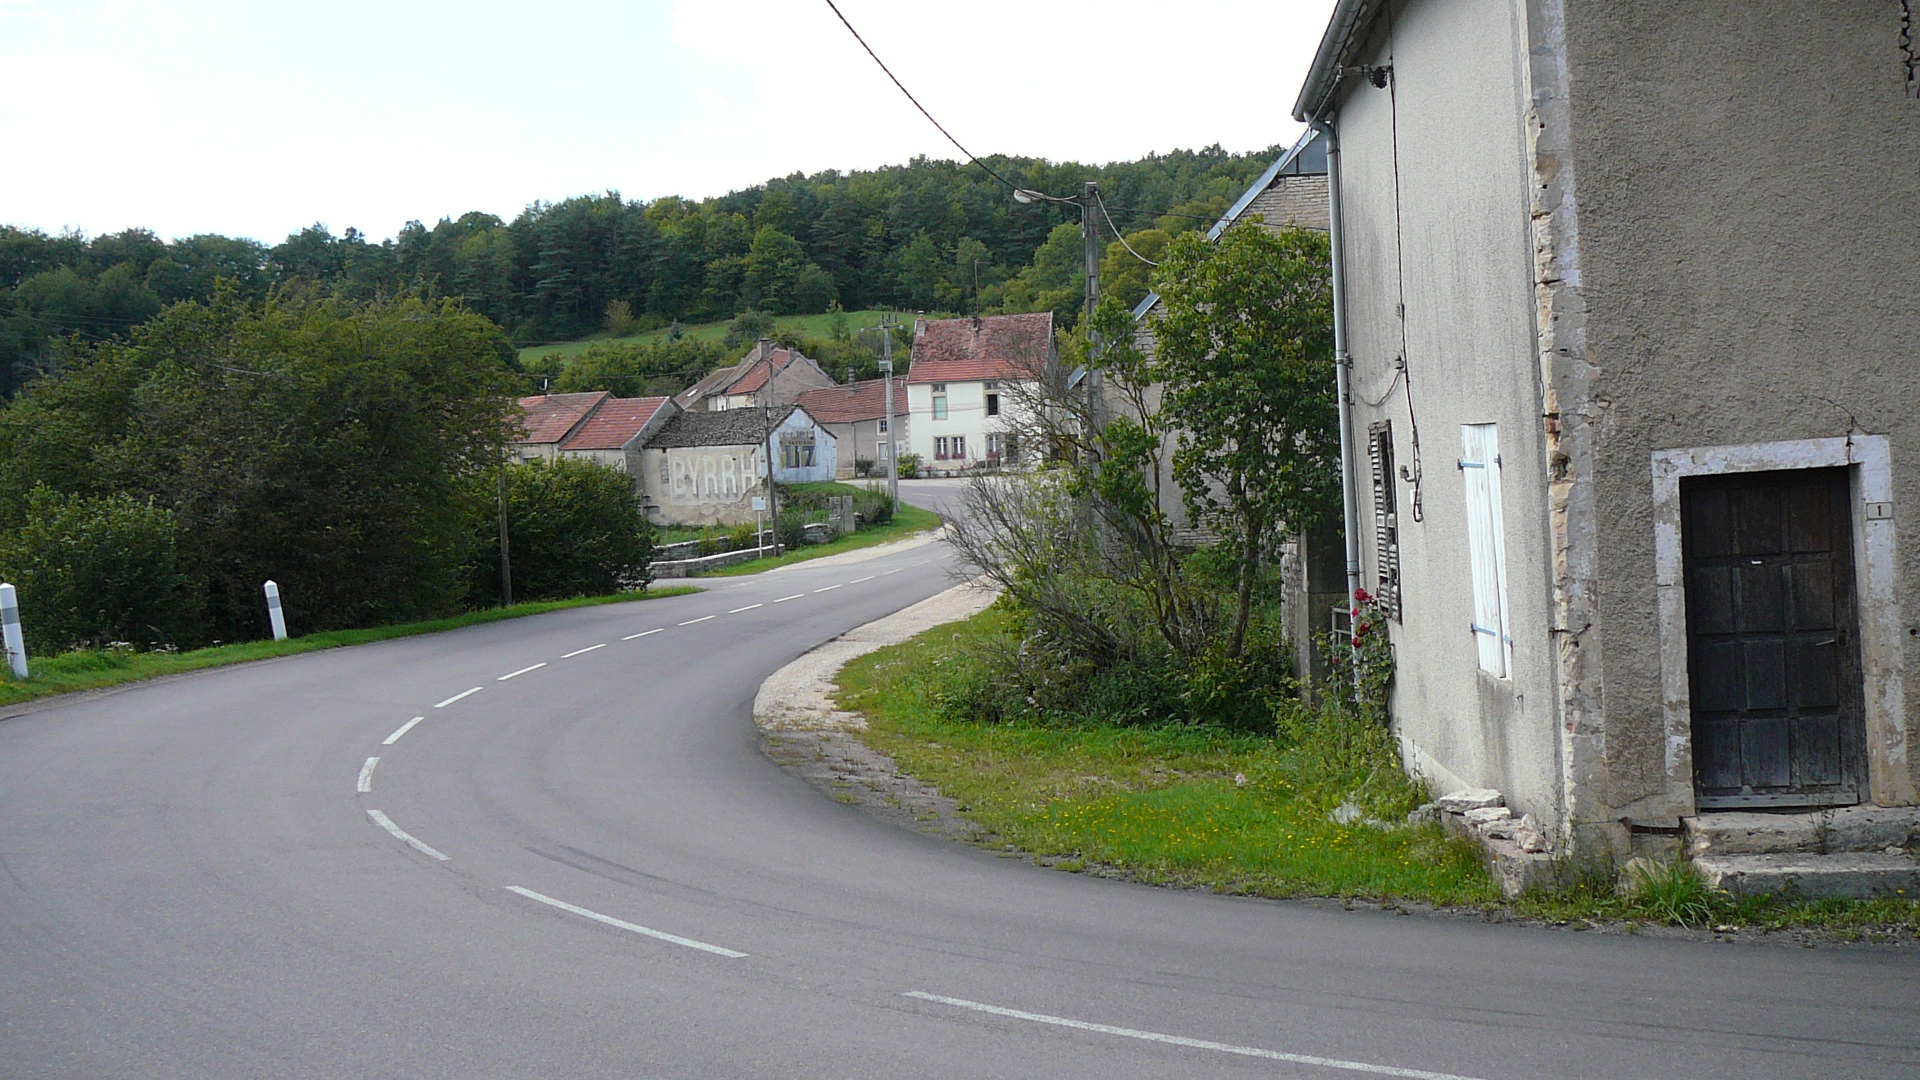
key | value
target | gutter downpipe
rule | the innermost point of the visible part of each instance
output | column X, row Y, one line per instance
column 1343, row 365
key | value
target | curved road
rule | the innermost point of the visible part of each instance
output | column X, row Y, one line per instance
column 588, row 869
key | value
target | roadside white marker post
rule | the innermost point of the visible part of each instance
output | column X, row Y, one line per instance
column 274, row 613
column 10, row 631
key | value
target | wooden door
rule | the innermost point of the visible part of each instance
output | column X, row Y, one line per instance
column 1772, row 639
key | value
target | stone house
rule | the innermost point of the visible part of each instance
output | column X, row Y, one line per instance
column 856, row 415
column 1628, row 289
column 592, row 426
column 769, row 374
column 965, row 387
column 706, row 468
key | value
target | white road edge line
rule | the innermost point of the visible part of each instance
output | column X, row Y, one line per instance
column 643, row 633
column 366, row 776
column 522, row 671
column 1197, row 1044
column 404, row 836
column 894, row 571
column 829, row 588
column 458, row 696
column 702, row 618
column 577, row 652
column 402, row 730
column 749, row 607
column 795, row 596
column 636, row 928
column 858, row 580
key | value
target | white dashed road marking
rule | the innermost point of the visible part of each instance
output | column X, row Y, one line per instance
column 522, row 671
column 829, row 588
column 702, row 618
column 458, row 696
column 366, row 776
column 894, row 571
column 577, row 652
column 795, row 596
column 643, row 633
column 402, row 835
column 402, row 730
column 858, row 580
column 1197, row 1044
column 749, row 607
column 611, row 921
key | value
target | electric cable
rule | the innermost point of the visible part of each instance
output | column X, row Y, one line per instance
column 1102, row 203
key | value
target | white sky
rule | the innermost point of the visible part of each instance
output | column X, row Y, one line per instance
column 255, row 119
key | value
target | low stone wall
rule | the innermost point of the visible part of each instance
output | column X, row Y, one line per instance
column 681, row 568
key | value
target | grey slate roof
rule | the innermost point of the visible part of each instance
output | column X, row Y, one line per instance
column 734, row 427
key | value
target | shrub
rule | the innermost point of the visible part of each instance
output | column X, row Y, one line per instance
column 575, row 528
column 909, row 466
column 862, row 467
column 94, row 571
column 741, row 538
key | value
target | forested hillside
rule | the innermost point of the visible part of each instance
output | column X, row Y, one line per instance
column 929, row 235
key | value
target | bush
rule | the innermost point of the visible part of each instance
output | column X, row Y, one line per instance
column 575, row 528
column 909, row 466
column 862, row 467
column 741, row 538
column 95, row 571
column 791, row 526
column 873, row 506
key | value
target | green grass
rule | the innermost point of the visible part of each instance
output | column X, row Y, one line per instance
column 907, row 521
column 1161, row 805
column 93, row 669
column 814, row 326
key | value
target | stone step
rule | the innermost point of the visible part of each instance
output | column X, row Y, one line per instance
column 1852, row 874
column 1852, row 828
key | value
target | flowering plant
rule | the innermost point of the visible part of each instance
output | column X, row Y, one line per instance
column 1362, row 663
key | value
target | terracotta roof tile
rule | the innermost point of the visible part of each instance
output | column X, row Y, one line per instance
column 990, row 347
column 855, row 401
column 549, row 417
column 614, row 424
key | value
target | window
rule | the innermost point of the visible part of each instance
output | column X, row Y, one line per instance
column 994, row 443
column 939, row 388
column 883, row 425
column 1487, row 547
column 1386, row 520
column 993, row 404
column 940, row 447
column 796, row 451
column 959, row 446
column 939, row 406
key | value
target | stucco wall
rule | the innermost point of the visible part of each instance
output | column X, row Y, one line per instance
column 1436, row 218
column 966, row 416
column 1749, row 257
column 703, row 485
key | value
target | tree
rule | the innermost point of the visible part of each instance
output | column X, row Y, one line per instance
column 576, row 528
column 93, row 571
column 1245, row 351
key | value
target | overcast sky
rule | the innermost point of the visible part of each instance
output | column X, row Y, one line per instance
column 255, row 119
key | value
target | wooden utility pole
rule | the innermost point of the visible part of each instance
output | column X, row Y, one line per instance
column 506, row 558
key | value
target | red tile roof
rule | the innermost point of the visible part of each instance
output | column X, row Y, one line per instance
column 855, row 401
column 757, row 374
column 989, row 347
column 614, row 424
column 549, row 417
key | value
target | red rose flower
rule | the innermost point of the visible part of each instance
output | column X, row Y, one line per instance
column 1361, row 595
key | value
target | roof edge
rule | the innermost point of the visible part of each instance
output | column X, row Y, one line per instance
column 1323, row 77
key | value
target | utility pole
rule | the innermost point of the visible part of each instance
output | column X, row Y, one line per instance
column 887, row 323
column 1090, row 236
column 506, row 559
column 766, row 447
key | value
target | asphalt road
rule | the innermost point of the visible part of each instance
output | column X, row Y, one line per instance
column 594, row 872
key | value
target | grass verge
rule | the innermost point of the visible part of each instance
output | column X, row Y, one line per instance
column 1168, row 806
column 907, row 521
column 93, row 669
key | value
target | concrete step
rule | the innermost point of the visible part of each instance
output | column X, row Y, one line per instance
column 1822, row 832
column 1853, row 874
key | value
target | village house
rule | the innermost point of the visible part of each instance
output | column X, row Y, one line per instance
column 706, row 468
column 769, row 374
column 592, row 426
column 1629, row 298
column 965, row 386
column 856, row 415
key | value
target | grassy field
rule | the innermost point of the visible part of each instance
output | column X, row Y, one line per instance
column 1249, row 814
column 816, row 326
column 90, row 670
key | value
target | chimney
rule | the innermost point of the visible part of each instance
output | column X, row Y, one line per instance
column 920, row 327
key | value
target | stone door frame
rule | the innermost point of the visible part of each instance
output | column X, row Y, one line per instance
column 1882, row 652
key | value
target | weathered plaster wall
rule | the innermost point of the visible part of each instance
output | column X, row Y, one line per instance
column 1437, row 219
column 1749, row 248
column 703, row 485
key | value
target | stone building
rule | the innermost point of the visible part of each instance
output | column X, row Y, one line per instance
column 592, row 426
column 769, row 374
column 856, row 414
column 1630, row 292
column 706, row 468
column 962, row 395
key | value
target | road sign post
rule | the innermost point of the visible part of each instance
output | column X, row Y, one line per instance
column 274, row 614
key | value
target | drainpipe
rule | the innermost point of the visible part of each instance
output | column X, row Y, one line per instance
column 1343, row 363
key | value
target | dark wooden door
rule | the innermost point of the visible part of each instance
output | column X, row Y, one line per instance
column 1772, row 640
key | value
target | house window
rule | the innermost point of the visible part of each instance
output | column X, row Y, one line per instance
column 883, row 425
column 959, row 446
column 1386, row 521
column 939, row 406
column 1487, row 547
column 940, row 447
column 939, row 388
column 993, row 404
column 996, row 447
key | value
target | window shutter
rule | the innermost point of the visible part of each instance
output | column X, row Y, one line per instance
column 1486, row 547
column 1386, row 521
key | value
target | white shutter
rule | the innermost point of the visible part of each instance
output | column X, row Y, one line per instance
column 1486, row 546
